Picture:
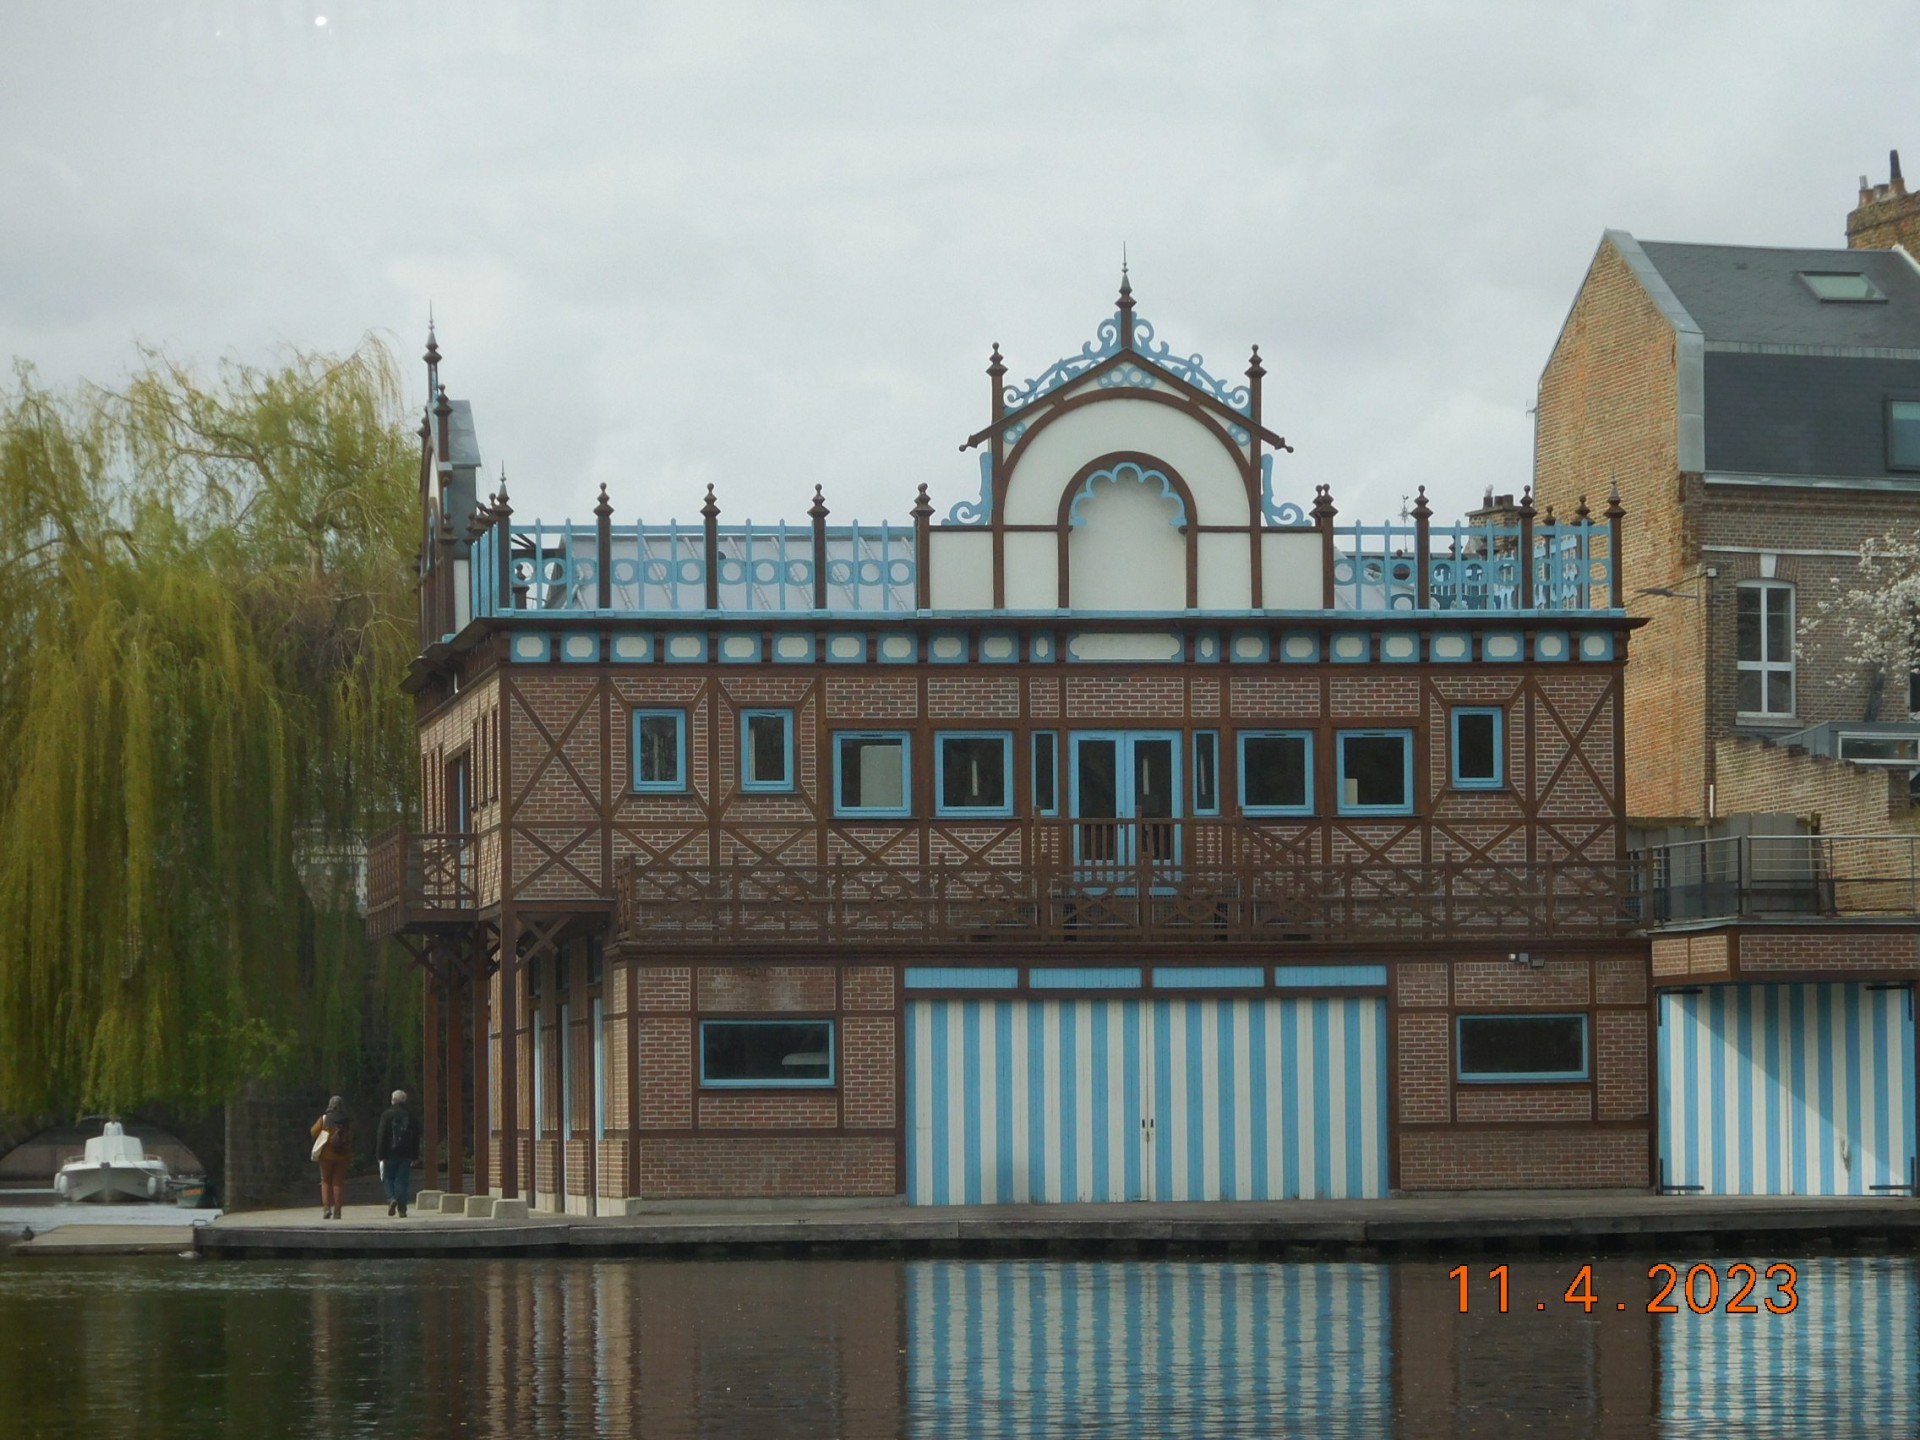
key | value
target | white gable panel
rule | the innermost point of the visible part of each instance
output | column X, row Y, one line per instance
column 1226, row 573
column 962, row 569
column 1290, row 573
column 1033, row 571
column 1056, row 453
column 1127, row 553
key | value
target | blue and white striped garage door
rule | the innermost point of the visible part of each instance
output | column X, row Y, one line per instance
column 1787, row 1089
column 1016, row 1101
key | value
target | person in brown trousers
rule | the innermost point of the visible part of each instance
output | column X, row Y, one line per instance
column 333, row 1153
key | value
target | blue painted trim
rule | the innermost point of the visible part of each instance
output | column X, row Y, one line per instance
column 1043, row 648
column 1496, row 781
column 629, row 647
column 803, row 649
column 873, row 812
column 1299, row 647
column 1059, row 772
column 1003, row 638
column 1250, row 647
column 940, row 807
column 1531, row 1078
column 1596, row 645
column 1437, row 646
column 832, row 1058
column 1135, row 473
column 1206, row 645
column 579, row 647
column 1209, row 977
column 674, row 646
column 885, row 647
column 1084, row 977
column 1340, row 761
column 840, row 639
column 1306, row 765
column 675, row 786
column 732, row 651
column 1503, row 647
column 1552, row 646
column 960, row 977
column 1391, row 640
column 783, row 786
column 1350, row 647
column 946, row 640
column 1202, row 739
column 525, row 648
column 1312, row 977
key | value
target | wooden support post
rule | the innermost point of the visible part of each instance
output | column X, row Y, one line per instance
column 1615, row 512
column 710, row 512
column 1422, row 552
column 509, row 1027
column 603, row 553
column 431, row 982
column 819, row 514
column 503, row 538
column 1526, row 550
column 922, row 551
column 456, row 1080
column 1323, row 513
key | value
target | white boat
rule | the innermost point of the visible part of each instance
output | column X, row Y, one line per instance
column 115, row 1164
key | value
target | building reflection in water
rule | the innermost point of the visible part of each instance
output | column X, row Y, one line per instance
column 766, row 1350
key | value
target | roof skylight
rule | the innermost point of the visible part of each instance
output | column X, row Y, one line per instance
column 1840, row 285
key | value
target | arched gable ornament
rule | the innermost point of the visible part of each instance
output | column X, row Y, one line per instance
column 1137, row 474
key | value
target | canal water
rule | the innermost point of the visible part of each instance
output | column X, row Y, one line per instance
column 762, row 1350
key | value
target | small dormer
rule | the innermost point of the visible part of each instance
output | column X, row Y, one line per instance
column 1126, row 478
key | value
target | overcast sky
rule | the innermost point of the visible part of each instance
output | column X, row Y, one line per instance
column 768, row 245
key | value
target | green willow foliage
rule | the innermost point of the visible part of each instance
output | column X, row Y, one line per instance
column 206, row 604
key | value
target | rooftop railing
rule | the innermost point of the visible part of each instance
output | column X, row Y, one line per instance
column 1782, row 877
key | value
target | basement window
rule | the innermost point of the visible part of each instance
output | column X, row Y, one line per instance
column 1522, row 1048
column 781, row 1054
column 1844, row 286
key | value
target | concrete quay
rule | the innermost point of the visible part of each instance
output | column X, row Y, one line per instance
column 1596, row 1222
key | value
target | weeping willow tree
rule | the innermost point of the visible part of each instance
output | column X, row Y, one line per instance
column 206, row 604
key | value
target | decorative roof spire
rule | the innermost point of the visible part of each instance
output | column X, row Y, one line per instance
column 819, row 510
column 603, row 507
column 922, row 506
column 1422, row 511
column 710, row 510
column 432, row 357
column 1583, row 514
column 1125, row 303
column 1254, row 368
column 442, row 406
column 501, row 509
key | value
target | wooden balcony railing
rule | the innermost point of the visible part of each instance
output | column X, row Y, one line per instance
column 413, row 878
column 1124, row 887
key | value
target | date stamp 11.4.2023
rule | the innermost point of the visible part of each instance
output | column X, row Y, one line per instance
column 1735, row 1289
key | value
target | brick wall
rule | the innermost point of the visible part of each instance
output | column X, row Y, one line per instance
column 1607, row 412
column 1476, row 1135
column 1755, row 776
column 1885, row 217
column 1838, row 950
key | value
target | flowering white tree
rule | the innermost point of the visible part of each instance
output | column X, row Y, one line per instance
column 1876, row 614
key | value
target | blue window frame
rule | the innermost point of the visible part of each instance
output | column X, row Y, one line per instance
column 873, row 774
column 1520, row 1049
column 973, row 772
column 1375, row 772
column 1276, row 772
column 659, row 751
column 1206, row 772
column 1477, row 753
column 792, row 1054
column 766, row 750
column 1046, row 772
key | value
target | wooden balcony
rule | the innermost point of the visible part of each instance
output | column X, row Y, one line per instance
column 418, row 881
column 1169, row 882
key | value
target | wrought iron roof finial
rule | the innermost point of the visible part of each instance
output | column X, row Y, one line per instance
column 1421, row 510
column 442, row 406
column 922, row 505
column 1583, row 514
column 1125, row 303
column 710, row 510
column 501, row 509
column 1254, row 368
column 604, row 507
column 1526, row 503
column 819, row 510
column 432, row 357
column 996, row 367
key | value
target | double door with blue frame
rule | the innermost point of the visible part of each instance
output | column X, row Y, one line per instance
column 1124, row 792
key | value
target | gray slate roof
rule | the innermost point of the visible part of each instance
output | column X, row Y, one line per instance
column 463, row 445
column 1751, row 294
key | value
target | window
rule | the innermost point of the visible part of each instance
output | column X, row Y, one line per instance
column 1763, row 641
column 766, row 750
column 972, row 774
column 1046, row 773
column 1477, row 751
column 1903, row 434
column 1206, row 772
column 1522, row 1047
column 659, row 750
column 1881, row 749
column 1276, row 772
column 787, row 1053
column 596, row 956
column 1376, row 772
column 1841, row 285
column 871, row 772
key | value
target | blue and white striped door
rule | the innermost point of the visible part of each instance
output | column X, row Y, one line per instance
column 1016, row 1101
column 1787, row 1089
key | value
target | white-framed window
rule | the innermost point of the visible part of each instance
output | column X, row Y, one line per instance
column 1763, row 647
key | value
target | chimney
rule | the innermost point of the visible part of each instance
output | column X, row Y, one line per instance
column 1886, row 215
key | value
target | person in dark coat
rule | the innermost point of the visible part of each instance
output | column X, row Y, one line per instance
column 333, row 1152
column 396, row 1145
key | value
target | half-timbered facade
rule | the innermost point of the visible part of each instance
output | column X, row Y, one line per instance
column 1133, row 829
